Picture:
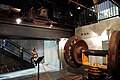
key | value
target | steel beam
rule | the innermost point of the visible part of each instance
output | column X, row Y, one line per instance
column 25, row 31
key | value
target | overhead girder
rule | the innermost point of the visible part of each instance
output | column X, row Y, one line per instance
column 23, row 31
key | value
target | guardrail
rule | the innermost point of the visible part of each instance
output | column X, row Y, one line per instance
column 104, row 10
column 16, row 49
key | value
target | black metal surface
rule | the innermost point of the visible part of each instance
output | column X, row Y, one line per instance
column 38, row 70
column 23, row 31
column 96, row 52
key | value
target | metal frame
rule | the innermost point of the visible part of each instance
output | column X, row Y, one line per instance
column 25, row 31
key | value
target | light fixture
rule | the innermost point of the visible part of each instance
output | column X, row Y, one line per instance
column 78, row 7
column 16, row 10
column 50, row 26
column 18, row 20
column 94, row 10
column 90, row 14
column 71, row 14
column 92, row 7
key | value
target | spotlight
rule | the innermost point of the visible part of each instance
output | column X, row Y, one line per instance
column 18, row 20
column 70, row 13
column 50, row 26
column 78, row 7
column 94, row 10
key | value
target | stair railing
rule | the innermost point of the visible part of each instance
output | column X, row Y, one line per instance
column 15, row 49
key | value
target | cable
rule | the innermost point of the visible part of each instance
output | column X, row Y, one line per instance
column 47, row 73
column 56, row 68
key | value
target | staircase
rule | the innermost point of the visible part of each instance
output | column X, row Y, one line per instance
column 13, row 57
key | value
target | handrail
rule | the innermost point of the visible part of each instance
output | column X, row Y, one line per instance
column 16, row 49
column 17, row 45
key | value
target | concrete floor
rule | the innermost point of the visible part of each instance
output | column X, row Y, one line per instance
column 46, row 73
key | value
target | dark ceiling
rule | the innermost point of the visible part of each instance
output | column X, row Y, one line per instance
column 58, row 10
column 62, row 5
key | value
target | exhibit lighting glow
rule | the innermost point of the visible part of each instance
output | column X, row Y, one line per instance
column 78, row 7
column 71, row 14
column 93, row 10
column 18, row 10
column 50, row 26
column 18, row 20
column 15, row 9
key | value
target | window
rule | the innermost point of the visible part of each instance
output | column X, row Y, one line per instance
column 107, row 10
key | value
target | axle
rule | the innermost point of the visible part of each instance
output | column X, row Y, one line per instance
column 95, row 52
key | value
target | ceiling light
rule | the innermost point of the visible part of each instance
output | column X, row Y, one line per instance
column 18, row 20
column 71, row 14
column 90, row 14
column 78, row 7
column 50, row 26
column 15, row 10
column 92, row 7
column 93, row 10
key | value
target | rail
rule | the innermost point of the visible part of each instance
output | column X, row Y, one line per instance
column 15, row 49
column 106, row 9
